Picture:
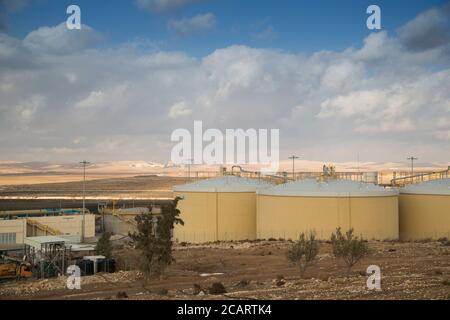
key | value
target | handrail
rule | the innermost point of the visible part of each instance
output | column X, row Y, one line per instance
column 421, row 175
column 43, row 227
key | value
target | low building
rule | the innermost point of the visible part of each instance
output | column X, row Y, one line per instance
column 14, row 228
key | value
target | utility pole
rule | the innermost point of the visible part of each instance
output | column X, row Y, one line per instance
column 293, row 157
column 84, row 163
column 412, row 158
column 189, row 168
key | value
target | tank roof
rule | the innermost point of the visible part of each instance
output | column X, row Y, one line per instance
column 224, row 184
column 433, row 187
column 330, row 188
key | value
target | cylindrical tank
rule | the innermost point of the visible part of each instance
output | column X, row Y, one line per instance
column 287, row 210
column 215, row 209
column 425, row 210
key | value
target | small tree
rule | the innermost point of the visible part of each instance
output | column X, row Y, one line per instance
column 349, row 247
column 303, row 252
column 154, row 238
column 104, row 246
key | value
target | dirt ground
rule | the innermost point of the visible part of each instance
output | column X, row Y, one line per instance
column 138, row 187
column 259, row 270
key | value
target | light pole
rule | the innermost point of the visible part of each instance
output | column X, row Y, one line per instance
column 412, row 158
column 293, row 157
column 189, row 168
column 84, row 163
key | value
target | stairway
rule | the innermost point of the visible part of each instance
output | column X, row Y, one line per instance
column 37, row 226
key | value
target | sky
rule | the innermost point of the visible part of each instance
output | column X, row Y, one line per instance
column 139, row 69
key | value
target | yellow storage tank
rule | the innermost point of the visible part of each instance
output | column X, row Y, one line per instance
column 425, row 210
column 221, row 208
column 287, row 210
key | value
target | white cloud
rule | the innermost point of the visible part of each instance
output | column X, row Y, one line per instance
column 60, row 40
column 382, row 98
column 197, row 24
column 430, row 29
column 101, row 99
column 94, row 99
column 28, row 108
column 389, row 126
column 179, row 109
column 442, row 135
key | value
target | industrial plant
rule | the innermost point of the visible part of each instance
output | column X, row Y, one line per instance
column 233, row 208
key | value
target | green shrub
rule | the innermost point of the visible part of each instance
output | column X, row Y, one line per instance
column 154, row 239
column 217, row 288
column 104, row 246
column 348, row 247
column 303, row 252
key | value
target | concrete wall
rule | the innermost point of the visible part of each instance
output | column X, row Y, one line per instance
column 117, row 226
column 424, row 216
column 70, row 224
column 210, row 216
column 286, row 217
column 14, row 226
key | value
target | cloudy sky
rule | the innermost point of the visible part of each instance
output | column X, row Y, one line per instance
column 137, row 70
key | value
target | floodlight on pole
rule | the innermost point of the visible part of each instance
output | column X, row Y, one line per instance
column 412, row 158
column 412, row 164
column 84, row 163
column 189, row 162
column 293, row 157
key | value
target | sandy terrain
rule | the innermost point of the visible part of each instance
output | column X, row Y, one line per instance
column 140, row 187
column 259, row 270
column 19, row 173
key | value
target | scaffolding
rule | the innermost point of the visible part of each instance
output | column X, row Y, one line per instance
column 47, row 255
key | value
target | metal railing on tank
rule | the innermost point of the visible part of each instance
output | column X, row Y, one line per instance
column 420, row 177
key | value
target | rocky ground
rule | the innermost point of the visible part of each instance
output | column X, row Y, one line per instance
column 259, row 270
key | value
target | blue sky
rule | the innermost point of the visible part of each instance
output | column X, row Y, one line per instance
column 138, row 70
column 297, row 25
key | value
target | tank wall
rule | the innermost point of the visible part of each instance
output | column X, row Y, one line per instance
column 375, row 217
column 237, row 216
column 287, row 217
column 198, row 211
column 216, row 216
column 424, row 216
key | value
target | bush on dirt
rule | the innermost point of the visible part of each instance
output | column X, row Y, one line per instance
column 104, row 246
column 163, row 292
column 197, row 289
column 154, row 239
column 303, row 252
column 349, row 247
column 444, row 241
column 121, row 295
column 243, row 283
column 217, row 288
